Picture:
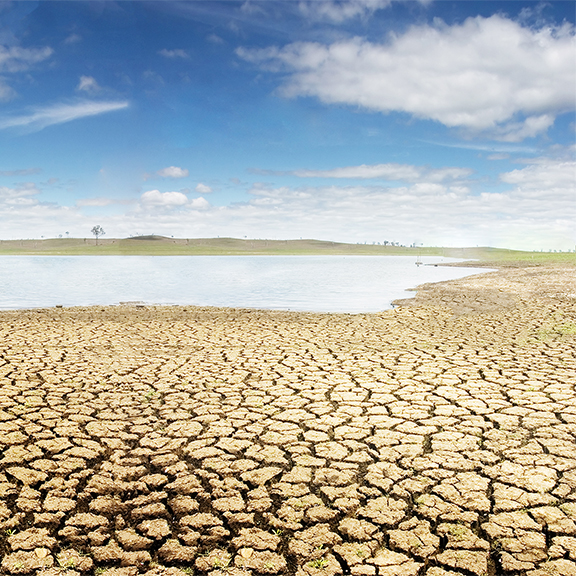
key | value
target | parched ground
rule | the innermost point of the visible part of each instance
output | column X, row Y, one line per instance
column 429, row 440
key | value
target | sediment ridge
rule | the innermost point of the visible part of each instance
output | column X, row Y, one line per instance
column 435, row 439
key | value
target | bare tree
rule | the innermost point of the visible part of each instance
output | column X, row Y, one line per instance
column 98, row 231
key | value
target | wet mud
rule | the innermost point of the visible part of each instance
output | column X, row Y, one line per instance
column 435, row 439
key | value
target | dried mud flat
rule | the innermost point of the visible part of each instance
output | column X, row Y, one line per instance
column 430, row 440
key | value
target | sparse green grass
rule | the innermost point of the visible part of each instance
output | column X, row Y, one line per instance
column 319, row 563
column 149, row 395
column 458, row 532
column 66, row 564
column 556, row 330
column 222, row 563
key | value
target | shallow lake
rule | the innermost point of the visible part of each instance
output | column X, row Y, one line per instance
column 304, row 283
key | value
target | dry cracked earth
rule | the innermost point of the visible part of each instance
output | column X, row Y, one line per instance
column 431, row 440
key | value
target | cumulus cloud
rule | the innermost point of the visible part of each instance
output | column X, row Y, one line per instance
column 42, row 117
column 486, row 74
column 203, row 188
column 173, row 172
column 166, row 199
column 88, row 84
column 157, row 199
column 199, row 204
column 173, row 53
column 17, row 59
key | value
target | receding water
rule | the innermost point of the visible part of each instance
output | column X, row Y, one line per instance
column 306, row 283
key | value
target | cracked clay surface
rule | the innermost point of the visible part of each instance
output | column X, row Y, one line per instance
column 422, row 441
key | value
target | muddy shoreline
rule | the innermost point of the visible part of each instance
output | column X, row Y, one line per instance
column 435, row 439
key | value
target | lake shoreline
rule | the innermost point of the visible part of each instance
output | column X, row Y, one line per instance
column 498, row 290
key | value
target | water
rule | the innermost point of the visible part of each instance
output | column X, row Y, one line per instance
column 304, row 283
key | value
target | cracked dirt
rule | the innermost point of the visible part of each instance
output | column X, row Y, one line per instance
column 429, row 440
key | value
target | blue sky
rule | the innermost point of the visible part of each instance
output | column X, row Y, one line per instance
column 441, row 123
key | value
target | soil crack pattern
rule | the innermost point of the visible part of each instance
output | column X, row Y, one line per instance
column 428, row 440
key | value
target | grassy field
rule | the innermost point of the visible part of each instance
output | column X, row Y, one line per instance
column 163, row 246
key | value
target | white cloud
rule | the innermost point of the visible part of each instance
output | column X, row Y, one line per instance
column 6, row 92
column 88, row 84
column 100, row 201
column 406, row 172
column 17, row 59
column 215, row 39
column 20, row 172
column 72, row 39
column 486, row 74
column 173, row 172
column 21, row 195
column 203, row 188
column 544, row 178
column 340, row 11
column 173, row 53
column 199, row 204
column 166, row 199
column 59, row 114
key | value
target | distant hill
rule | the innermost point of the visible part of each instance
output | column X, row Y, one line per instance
column 154, row 245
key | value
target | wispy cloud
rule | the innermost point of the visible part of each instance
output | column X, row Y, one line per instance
column 339, row 12
column 73, row 39
column 21, row 195
column 17, row 59
column 390, row 172
column 492, row 147
column 100, row 201
column 6, row 91
column 88, row 84
column 40, row 118
column 21, row 172
column 178, row 53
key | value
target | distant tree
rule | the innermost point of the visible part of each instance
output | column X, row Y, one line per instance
column 98, row 231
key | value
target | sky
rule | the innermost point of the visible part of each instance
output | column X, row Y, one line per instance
column 426, row 122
